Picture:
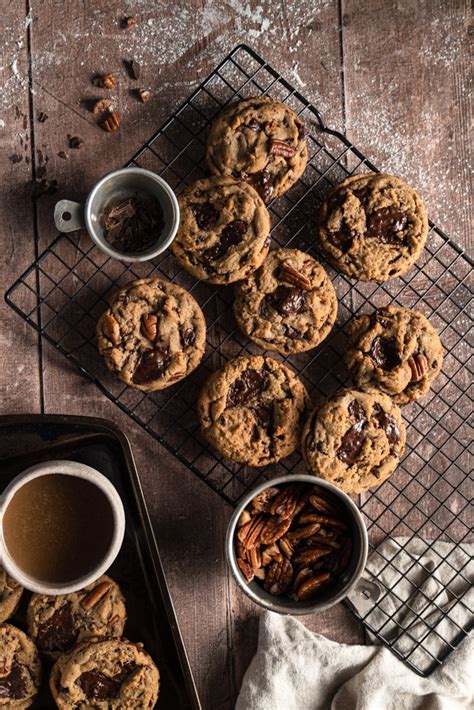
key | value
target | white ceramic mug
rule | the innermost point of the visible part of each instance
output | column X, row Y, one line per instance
column 70, row 216
column 79, row 470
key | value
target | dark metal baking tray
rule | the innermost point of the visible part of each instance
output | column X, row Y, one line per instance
column 32, row 438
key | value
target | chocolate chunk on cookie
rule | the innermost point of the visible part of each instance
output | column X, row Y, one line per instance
column 20, row 672
column 57, row 623
column 252, row 410
column 260, row 140
column 355, row 440
column 224, row 230
column 106, row 674
column 373, row 227
column 288, row 304
column 396, row 350
column 153, row 334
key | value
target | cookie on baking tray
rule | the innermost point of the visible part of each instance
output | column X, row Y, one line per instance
column 355, row 440
column 373, row 227
column 288, row 304
column 57, row 623
column 153, row 334
column 105, row 674
column 224, row 230
column 396, row 350
column 260, row 140
column 252, row 410
column 20, row 671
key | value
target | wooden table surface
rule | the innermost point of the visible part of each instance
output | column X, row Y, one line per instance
column 393, row 75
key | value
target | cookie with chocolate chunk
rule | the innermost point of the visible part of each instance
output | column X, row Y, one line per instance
column 153, row 334
column 105, row 674
column 260, row 140
column 20, row 671
column 373, row 227
column 396, row 350
column 288, row 304
column 355, row 440
column 252, row 410
column 56, row 624
column 224, row 230
column 10, row 595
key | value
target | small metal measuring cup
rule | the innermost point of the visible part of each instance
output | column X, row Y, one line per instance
column 70, row 216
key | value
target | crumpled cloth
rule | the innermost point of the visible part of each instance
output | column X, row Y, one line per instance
column 295, row 669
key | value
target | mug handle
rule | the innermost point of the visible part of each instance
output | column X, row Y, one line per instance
column 68, row 216
column 368, row 594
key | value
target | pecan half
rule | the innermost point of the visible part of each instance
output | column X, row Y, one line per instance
column 149, row 326
column 249, row 534
column 310, row 586
column 303, row 532
column 111, row 122
column 302, row 574
column 329, row 522
column 285, row 503
column 274, row 529
column 308, row 555
column 95, row 595
column 286, row 547
column 419, row 366
column 246, row 569
column 278, row 577
column 260, row 502
column 295, row 278
column 113, row 621
column 281, row 148
column 111, row 329
column 255, row 558
column 323, row 505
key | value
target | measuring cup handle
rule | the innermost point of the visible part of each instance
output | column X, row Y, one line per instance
column 68, row 216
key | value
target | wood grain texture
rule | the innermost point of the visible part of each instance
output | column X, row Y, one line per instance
column 393, row 76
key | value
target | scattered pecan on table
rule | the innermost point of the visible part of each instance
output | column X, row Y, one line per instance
column 294, row 539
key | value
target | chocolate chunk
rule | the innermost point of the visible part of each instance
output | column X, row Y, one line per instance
column 58, row 632
column 13, row 685
column 384, row 352
column 205, row 214
column 132, row 224
column 290, row 332
column 133, row 68
column 356, row 410
column 388, row 424
column 250, row 383
column 302, row 131
column 264, row 416
column 287, row 300
column 96, row 685
column 188, row 337
column 253, row 125
column 353, row 439
column 74, row 141
column 343, row 237
column 385, row 224
column 262, row 182
column 150, row 366
column 361, row 194
column 230, row 235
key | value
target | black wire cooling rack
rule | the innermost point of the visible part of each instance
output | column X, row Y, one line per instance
column 66, row 289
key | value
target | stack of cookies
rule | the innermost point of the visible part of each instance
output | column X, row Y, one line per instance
column 255, row 410
column 81, row 633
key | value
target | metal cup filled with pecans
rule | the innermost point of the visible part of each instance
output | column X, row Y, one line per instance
column 297, row 545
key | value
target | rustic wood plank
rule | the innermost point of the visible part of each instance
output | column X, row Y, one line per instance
column 20, row 388
column 406, row 87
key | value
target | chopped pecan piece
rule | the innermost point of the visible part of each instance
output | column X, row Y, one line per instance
column 419, row 366
column 144, row 95
column 255, row 558
column 106, row 81
column 278, row 577
column 311, row 585
column 281, row 148
column 149, row 326
column 95, row 595
column 246, row 569
column 128, row 23
column 112, row 329
column 111, row 121
column 102, row 105
column 295, row 278
column 244, row 518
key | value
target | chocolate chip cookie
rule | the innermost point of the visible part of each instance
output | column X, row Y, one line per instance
column 396, row 350
column 288, row 304
column 57, row 623
column 259, row 140
column 355, row 440
column 10, row 594
column 373, row 227
column 114, row 674
column 20, row 671
column 153, row 334
column 252, row 410
column 224, row 230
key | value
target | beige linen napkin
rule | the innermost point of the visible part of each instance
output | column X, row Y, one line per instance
column 294, row 669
